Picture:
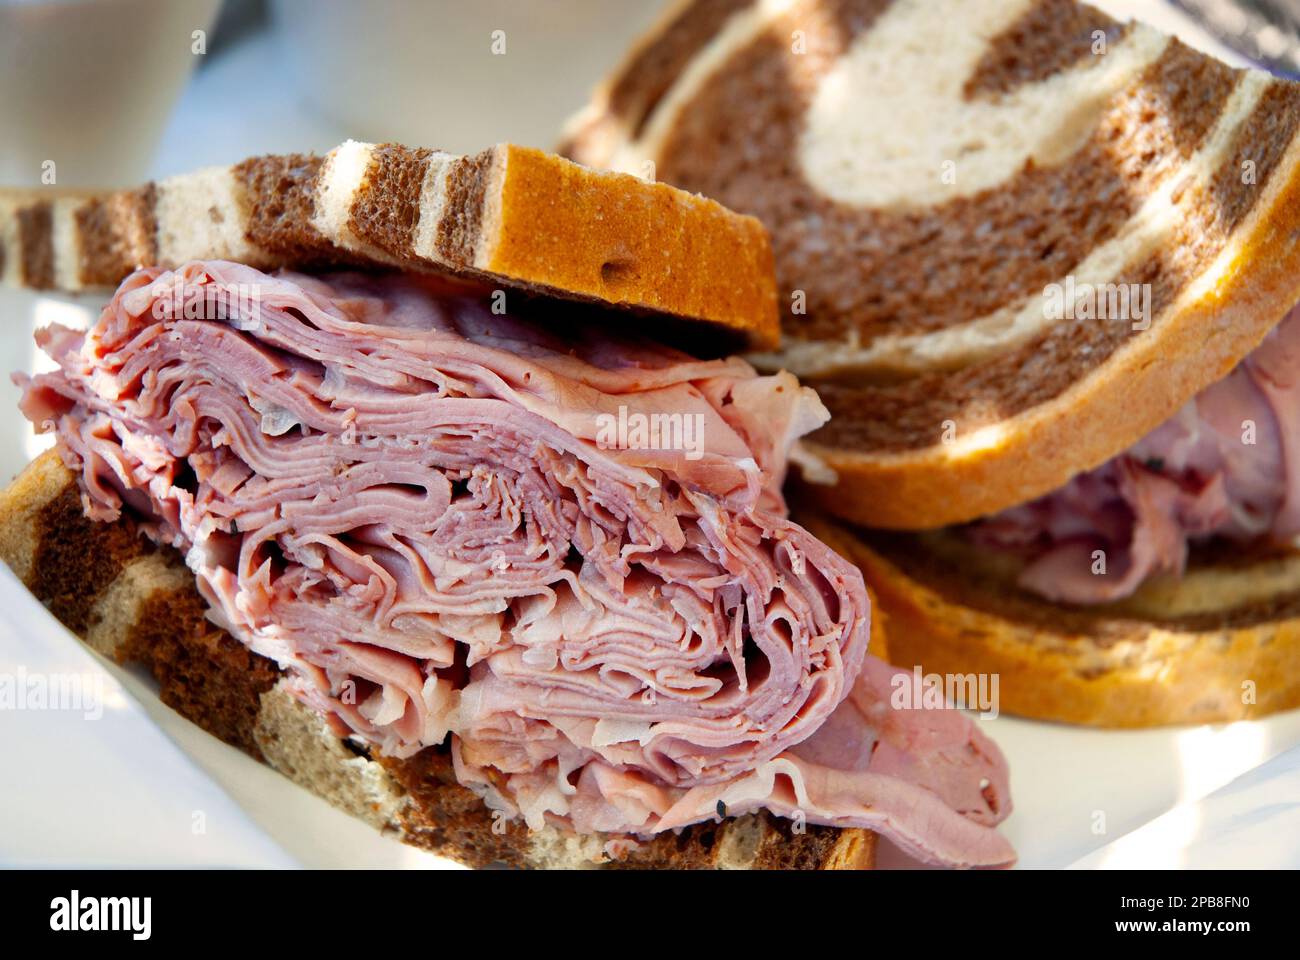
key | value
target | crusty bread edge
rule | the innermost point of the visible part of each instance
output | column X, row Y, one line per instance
column 1157, row 675
column 644, row 244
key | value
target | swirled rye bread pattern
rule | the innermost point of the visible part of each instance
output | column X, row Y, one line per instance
column 927, row 169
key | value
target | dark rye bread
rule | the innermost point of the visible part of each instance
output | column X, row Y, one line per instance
column 117, row 231
column 137, row 604
column 38, row 258
column 979, row 152
column 510, row 217
column 1220, row 644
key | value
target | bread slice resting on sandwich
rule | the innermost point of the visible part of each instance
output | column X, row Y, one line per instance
column 383, row 465
column 1042, row 267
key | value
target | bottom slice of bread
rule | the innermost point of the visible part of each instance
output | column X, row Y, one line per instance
column 1221, row 643
column 137, row 603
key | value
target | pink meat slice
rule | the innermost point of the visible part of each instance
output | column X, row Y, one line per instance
column 426, row 513
column 1226, row 465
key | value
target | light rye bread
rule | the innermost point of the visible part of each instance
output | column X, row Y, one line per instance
column 929, row 169
column 137, row 604
column 1220, row 644
column 510, row 217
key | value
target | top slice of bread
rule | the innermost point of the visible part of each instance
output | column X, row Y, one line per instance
column 936, row 174
column 509, row 217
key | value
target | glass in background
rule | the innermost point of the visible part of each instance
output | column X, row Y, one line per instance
column 86, row 86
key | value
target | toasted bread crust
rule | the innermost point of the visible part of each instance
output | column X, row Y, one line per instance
column 139, row 604
column 509, row 217
column 622, row 257
column 1097, row 667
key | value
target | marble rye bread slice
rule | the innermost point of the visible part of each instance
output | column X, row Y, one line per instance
column 137, row 603
column 510, row 217
column 929, row 170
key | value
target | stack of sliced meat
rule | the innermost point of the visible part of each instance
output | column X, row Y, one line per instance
column 565, row 549
column 1227, row 464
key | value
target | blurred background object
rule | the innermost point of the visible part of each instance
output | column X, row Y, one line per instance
column 1266, row 32
column 1167, row 17
column 99, row 86
column 452, row 74
column 88, row 85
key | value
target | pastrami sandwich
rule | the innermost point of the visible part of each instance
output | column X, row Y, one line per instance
column 1036, row 262
column 491, row 569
